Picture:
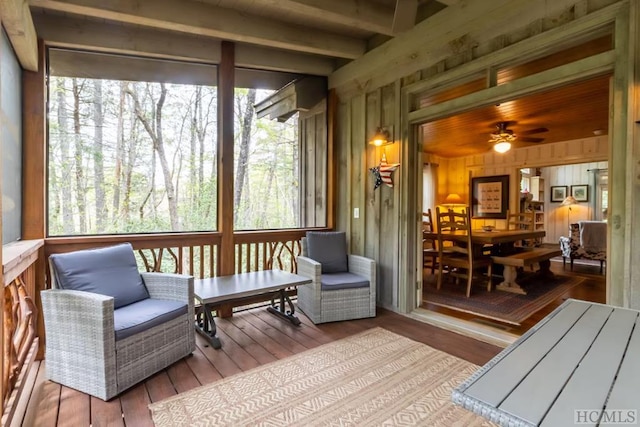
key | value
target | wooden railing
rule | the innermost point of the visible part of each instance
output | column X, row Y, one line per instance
column 20, row 325
column 267, row 249
column 197, row 254
column 183, row 253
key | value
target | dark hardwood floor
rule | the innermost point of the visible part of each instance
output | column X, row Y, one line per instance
column 592, row 289
column 249, row 339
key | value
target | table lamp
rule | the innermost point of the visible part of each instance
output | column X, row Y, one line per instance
column 452, row 200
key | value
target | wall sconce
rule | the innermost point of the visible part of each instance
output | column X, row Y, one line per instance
column 381, row 137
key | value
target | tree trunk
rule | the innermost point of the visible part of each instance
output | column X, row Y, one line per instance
column 243, row 157
column 155, row 133
column 65, row 162
column 98, row 160
column 117, row 173
column 81, row 198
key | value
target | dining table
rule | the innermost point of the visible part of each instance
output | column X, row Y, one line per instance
column 501, row 243
column 503, row 240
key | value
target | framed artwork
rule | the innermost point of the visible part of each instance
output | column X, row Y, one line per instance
column 559, row 193
column 490, row 196
column 580, row 192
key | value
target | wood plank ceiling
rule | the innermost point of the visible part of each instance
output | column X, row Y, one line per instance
column 308, row 37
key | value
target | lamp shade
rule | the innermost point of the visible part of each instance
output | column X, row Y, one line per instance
column 381, row 137
column 568, row 201
column 453, row 199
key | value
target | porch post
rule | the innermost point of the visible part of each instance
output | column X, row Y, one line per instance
column 226, row 83
column 34, row 146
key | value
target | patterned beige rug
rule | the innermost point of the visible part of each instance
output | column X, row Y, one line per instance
column 373, row 378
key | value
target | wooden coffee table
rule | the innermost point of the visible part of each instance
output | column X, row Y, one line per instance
column 214, row 291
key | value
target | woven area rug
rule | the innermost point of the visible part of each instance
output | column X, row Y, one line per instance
column 373, row 378
column 500, row 305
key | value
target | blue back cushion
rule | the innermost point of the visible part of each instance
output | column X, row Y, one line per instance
column 329, row 248
column 110, row 271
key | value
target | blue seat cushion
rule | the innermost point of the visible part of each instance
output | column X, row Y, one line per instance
column 336, row 281
column 110, row 271
column 142, row 315
column 329, row 248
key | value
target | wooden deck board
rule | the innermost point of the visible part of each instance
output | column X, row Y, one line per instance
column 243, row 335
column 74, row 407
column 160, row 386
column 182, row 377
column 106, row 414
column 135, row 407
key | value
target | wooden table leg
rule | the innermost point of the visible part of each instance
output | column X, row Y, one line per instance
column 545, row 269
column 509, row 284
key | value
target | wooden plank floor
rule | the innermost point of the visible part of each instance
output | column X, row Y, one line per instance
column 249, row 339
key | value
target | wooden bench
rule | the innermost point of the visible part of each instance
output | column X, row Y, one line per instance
column 524, row 258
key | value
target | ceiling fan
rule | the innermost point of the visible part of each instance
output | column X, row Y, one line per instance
column 502, row 137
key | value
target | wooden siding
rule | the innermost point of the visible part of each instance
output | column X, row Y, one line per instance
column 313, row 166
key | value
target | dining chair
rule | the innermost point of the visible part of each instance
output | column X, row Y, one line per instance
column 429, row 242
column 461, row 259
column 521, row 221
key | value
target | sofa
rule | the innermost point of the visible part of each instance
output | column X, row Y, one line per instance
column 587, row 240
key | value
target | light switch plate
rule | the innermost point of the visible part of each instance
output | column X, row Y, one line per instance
column 356, row 212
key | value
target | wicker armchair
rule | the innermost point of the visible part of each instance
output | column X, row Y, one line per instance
column 343, row 286
column 104, row 333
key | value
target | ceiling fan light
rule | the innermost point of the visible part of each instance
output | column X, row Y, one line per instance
column 502, row 147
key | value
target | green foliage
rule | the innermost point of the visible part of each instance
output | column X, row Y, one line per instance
column 133, row 187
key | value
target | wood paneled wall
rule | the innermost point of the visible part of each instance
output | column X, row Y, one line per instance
column 563, row 163
column 313, row 166
column 375, row 232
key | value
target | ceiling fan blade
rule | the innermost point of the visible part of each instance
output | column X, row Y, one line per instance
column 529, row 139
column 532, row 131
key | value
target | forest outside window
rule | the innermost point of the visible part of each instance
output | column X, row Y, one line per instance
column 134, row 152
column 132, row 148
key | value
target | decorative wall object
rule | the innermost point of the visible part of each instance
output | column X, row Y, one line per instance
column 490, row 196
column 559, row 193
column 580, row 192
column 383, row 172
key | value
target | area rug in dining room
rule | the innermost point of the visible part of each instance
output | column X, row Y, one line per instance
column 499, row 305
column 373, row 378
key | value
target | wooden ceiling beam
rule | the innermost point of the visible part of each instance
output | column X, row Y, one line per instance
column 211, row 21
column 404, row 17
column 458, row 27
column 16, row 19
column 362, row 15
column 75, row 33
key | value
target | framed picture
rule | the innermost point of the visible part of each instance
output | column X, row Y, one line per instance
column 580, row 192
column 559, row 193
column 490, row 196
